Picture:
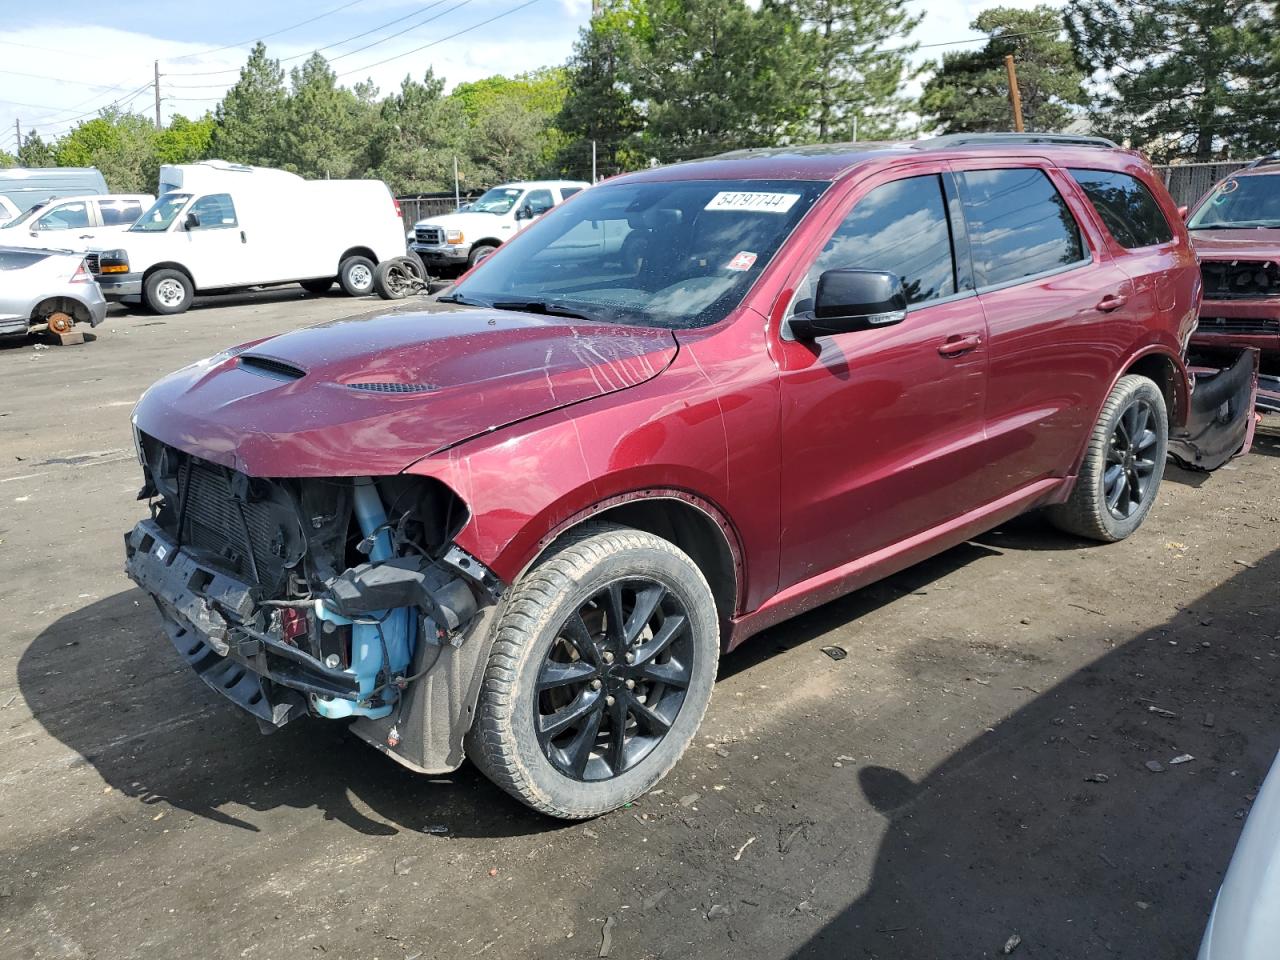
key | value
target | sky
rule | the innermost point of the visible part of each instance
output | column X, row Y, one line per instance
column 60, row 67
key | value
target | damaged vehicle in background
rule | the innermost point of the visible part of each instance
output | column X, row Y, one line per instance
column 1235, row 228
column 51, row 288
column 690, row 404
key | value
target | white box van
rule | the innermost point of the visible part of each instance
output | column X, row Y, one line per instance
column 74, row 223
column 21, row 188
column 219, row 226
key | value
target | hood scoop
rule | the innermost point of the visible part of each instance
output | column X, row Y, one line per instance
column 390, row 387
column 270, row 367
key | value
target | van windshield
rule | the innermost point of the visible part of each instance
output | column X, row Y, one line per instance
column 674, row 254
column 162, row 213
column 498, row 200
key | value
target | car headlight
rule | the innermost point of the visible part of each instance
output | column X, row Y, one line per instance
column 137, row 437
column 454, row 236
column 409, row 235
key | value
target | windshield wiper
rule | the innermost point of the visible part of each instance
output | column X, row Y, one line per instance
column 461, row 300
column 540, row 306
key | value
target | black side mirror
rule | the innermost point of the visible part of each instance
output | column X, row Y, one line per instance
column 525, row 213
column 848, row 300
column 192, row 221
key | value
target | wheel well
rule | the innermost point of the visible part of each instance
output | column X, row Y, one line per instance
column 169, row 266
column 1161, row 369
column 692, row 530
column 487, row 242
column 357, row 252
column 61, row 304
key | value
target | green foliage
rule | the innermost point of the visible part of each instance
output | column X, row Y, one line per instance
column 511, row 132
column 249, row 118
column 417, row 134
column 970, row 92
column 34, row 152
column 1182, row 79
column 7, row 159
column 121, row 145
column 318, row 136
column 854, row 61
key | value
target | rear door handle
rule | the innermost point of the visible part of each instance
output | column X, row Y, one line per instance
column 1112, row 301
column 959, row 343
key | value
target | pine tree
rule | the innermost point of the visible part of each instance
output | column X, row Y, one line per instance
column 248, row 121
column 970, row 92
column 857, row 64
column 1182, row 79
column 318, row 139
column 34, row 152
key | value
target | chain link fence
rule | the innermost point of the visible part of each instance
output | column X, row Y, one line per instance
column 413, row 209
column 1188, row 182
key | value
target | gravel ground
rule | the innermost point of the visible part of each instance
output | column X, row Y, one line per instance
column 975, row 769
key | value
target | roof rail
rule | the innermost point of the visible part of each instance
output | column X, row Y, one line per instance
column 1269, row 159
column 949, row 140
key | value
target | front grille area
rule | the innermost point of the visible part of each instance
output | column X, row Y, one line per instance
column 243, row 533
column 91, row 261
column 1241, row 325
column 1240, row 279
column 429, row 234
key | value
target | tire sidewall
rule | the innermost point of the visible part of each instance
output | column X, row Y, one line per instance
column 344, row 276
column 153, row 282
column 481, row 253
column 1128, row 393
column 578, row 798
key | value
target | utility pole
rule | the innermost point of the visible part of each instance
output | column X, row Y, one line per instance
column 855, row 128
column 1015, row 97
column 157, row 94
column 457, row 191
column 594, row 179
column 17, row 128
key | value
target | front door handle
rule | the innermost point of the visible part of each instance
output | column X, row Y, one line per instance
column 959, row 343
column 243, row 238
column 1112, row 301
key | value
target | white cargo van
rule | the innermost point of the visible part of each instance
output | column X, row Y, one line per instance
column 220, row 226
column 21, row 188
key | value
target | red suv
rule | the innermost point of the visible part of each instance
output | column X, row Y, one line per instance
column 685, row 405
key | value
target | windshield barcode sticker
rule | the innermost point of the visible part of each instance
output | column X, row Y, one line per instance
column 754, row 202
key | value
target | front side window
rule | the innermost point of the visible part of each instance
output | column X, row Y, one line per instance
column 119, row 213
column 674, row 254
column 1019, row 225
column 69, row 216
column 216, row 210
column 899, row 227
column 499, row 200
column 567, row 192
column 1240, row 203
column 539, row 202
column 1126, row 207
column 162, row 213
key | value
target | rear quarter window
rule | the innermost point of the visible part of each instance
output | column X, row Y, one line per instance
column 18, row 259
column 1126, row 207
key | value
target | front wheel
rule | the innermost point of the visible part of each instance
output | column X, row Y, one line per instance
column 398, row 277
column 1122, row 466
column 600, row 673
column 168, row 292
column 355, row 276
column 480, row 253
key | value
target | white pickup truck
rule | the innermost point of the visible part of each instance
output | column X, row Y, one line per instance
column 465, row 238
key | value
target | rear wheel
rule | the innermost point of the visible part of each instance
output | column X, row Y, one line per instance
column 355, row 275
column 317, row 287
column 395, row 279
column 1122, row 466
column 600, row 673
column 168, row 292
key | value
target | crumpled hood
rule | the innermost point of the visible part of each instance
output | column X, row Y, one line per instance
column 1261, row 244
column 370, row 396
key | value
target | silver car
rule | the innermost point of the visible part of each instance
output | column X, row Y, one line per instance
column 47, row 287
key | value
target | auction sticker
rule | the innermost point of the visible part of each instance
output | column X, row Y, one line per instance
column 743, row 261
column 752, row 201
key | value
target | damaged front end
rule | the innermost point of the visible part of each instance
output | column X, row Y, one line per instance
column 1221, row 421
column 334, row 597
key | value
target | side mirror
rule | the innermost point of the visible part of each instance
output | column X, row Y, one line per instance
column 525, row 213
column 192, row 221
column 1182, row 212
column 848, row 300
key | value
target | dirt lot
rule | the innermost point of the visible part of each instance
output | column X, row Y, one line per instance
column 929, row 796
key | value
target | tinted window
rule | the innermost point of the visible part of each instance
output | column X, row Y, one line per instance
column 900, row 227
column 1019, row 225
column 18, row 259
column 567, row 192
column 1126, row 206
column 65, row 217
column 215, row 210
column 118, row 213
column 539, row 201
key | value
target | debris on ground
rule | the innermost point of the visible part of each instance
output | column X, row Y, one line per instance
column 1155, row 766
column 1011, row 944
column 1096, row 778
column 1182, row 758
column 1160, row 711
column 606, row 937
column 439, row 829
column 689, row 799
column 738, row 856
column 403, row 865
column 651, row 901
column 718, row 911
column 1208, row 720
column 493, row 871
column 835, row 653
column 589, row 833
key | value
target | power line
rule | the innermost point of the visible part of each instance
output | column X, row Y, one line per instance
column 267, row 36
column 41, row 76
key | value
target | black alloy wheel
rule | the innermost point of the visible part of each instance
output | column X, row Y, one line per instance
column 1130, row 466
column 614, row 679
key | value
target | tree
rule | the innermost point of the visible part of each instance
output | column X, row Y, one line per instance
column 34, row 152
column 512, row 123
column 855, row 65
column 7, row 159
column 248, row 121
column 418, row 133
column 970, row 92
column 121, row 145
column 1182, row 79
column 317, row 137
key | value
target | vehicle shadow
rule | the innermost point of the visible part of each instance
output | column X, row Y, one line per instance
column 103, row 681
column 1051, row 828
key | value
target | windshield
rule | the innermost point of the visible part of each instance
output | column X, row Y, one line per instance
column 668, row 254
column 26, row 216
column 1240, row 203
column 162, row 213
column 498, row 200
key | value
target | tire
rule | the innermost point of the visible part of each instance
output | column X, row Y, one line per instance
column 478, row 253
column 415, row 258
column 168, row 292
column 317, row 287
column 355, row 276
column 1116, row 469
column 398, row 277
column 587, row 564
